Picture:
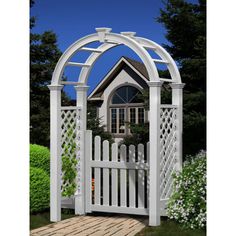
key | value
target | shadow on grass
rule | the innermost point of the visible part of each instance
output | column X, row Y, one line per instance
column 43, row 218
column 170, row 228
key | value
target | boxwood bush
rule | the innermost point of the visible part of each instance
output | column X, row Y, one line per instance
column 187, row 205
column 39, row 190
column 40, row 157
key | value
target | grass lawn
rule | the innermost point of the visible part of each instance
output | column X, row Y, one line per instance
column 169, row 228
column 42, row 219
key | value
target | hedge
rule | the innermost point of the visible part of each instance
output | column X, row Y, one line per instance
column 40, row 157
column 39, row 190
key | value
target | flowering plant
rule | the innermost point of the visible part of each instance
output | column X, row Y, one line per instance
column 187, row 204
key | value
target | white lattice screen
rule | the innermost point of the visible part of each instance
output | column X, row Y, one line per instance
column 70, row 133
column 168, row 148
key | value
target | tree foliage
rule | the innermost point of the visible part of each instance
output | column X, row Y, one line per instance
column 44, row 54
column 94, row 124
column 185, row 25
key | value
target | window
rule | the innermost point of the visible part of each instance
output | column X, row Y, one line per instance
column 113, row 120
column 125, row 106
column 126, row 94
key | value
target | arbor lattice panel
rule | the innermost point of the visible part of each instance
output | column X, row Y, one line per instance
column 70, row 134
column 168, row 148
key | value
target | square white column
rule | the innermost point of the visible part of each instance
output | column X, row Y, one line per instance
column 177, row 99
column 81, row 101
column 55, row 152
column 155, row 149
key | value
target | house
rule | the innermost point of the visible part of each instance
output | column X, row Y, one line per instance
column 117, row 97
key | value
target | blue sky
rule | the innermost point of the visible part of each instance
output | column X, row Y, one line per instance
column 73, row 19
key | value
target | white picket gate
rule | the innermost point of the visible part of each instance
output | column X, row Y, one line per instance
column 120, row 177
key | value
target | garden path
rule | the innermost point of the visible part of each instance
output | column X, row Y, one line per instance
column 94, row 225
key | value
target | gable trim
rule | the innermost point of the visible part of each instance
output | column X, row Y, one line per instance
column 122, row 59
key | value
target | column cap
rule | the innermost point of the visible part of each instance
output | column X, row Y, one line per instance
column 177, row 85
column 81, row 87
column 155, row 83
column 53, row 87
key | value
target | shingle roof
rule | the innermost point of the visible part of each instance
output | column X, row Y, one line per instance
column 138, row 66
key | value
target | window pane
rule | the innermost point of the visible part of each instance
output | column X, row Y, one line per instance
column 117, row 100
column 121, row 121
column 140, row 115
column 122, row 92
column 113, row 121
column 132, row 115
column 132, row 93
column 135, row 98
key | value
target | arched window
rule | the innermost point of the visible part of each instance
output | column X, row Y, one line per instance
column 126, row 106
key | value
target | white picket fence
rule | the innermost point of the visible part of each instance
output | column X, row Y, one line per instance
column 120, row 177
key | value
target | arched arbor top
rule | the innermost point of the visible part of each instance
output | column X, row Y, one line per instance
column 108, row 41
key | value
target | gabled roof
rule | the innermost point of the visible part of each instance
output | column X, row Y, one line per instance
column 136, row 66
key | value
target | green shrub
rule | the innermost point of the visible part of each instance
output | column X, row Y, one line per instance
column 187, row 205
column 40, row 157
column 39, row 190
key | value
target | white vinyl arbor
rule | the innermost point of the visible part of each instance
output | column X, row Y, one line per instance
column 163, row 149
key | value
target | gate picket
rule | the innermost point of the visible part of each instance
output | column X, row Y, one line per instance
column 97, row 174
column 123, row 178
column 114, row 176
column 140, row 176
column 88, row 171
column 148, row 161
column 106, row 185
column 132, row 177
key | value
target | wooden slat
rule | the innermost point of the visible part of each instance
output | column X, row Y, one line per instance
column 70, row 82
column 114, row 176
column 148, row 46
column 78, row 64
column 123, row 178
column 166, row 80
column 70, row 108
column 121, row 210
column 90, row 49
column 118, row 165
column 160, row 61
column 132, row 177
column 140, row 176
column 105, row 174
column 97, row 174
column 168, row 106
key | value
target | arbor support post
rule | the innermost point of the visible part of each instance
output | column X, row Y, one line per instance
column 55, row 152
column 81, row 101
column 177, row 99
column 155, row 157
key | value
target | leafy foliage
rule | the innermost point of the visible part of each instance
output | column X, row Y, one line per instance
column 44, row 54
column 187, row 205
column 186, row 31
column 94, row 124
column 140, row 134
column 40, row 157
column 39, row 190
column 69, row 164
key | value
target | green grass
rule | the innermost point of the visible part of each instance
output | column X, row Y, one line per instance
column 42, row 219
column 170, row 228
